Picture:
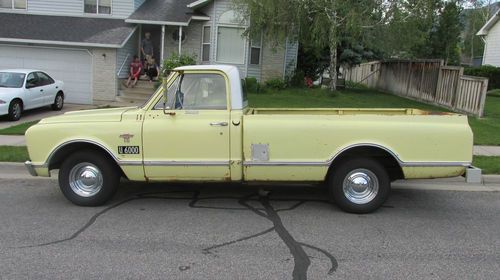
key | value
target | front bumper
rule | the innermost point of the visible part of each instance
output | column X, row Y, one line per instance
column 31, row 168
column 4, row 109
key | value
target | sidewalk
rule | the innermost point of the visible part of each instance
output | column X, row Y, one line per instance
column 487, row 151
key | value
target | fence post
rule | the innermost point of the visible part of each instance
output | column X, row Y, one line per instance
column 484, row 92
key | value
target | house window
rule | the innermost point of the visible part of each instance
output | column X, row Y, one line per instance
column 13, row 4
column 205, row 52
column 255, row 48
column 230, row 45
column 97, row 7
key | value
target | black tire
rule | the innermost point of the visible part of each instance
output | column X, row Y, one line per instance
column 58, row 102
column 110, row 176
column 359, row 169
column 15, row 110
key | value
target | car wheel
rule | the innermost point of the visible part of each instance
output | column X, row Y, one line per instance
column 359, row 185
column 88, row 178
column 15, row 110
column 58, row 102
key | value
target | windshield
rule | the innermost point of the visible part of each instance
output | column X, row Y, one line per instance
column 11, row 80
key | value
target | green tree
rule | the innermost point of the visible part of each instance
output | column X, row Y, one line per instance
column 318, row 24
column 445, row 38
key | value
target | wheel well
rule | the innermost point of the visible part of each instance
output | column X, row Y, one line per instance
column 384, row 157
column 62, row 153
column 61, row 92
column 20, row 100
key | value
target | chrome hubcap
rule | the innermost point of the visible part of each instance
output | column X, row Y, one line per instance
column 85, row 179
column 360, row 186
column 59, row 101
column 16, row 109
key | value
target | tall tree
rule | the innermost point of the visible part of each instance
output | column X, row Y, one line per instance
column 317, row 23
column 445, row 38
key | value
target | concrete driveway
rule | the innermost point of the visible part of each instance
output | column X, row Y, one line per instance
column 40, row 113
column 231, row 232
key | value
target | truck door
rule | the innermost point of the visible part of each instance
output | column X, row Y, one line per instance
column 190, row 139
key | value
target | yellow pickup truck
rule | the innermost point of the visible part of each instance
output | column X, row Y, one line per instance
column 198, row 127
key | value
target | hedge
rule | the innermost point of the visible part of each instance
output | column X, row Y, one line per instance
column 487, row 71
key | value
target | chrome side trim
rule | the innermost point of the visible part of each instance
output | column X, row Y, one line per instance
column 60, row 146
column 328, row 163
column 31, row 168
column 186, row 163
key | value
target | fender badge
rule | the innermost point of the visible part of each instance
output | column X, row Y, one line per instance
column 126, row 137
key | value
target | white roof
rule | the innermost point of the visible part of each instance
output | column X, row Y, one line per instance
column 489, row 24
column 24, row 71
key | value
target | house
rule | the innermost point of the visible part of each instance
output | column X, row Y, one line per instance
column 89, row 44
column 490, row 33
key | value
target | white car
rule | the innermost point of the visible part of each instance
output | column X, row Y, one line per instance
column 22, row 89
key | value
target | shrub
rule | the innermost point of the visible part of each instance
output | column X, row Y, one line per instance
column 487, row 71
column 276, row 84
column 297, row 79
column 251, row 85
column 175, row 61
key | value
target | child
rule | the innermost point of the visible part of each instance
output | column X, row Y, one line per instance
column 152, row 69
column 135, row 71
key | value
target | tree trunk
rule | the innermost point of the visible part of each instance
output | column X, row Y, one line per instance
column 333, row 59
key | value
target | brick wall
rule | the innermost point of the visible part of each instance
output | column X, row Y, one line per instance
column 104, row 81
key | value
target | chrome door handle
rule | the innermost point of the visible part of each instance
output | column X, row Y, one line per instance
column 219, row 124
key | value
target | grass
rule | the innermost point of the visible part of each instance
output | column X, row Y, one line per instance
column 17, row 129
column 486, row 130
column 13, row 154
column 489, row 165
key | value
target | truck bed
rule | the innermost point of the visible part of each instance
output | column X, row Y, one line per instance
column 339, row 111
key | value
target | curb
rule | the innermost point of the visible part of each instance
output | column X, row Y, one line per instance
column 490, row 183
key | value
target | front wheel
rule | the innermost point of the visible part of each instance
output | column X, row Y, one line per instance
column 15, row 110
column 359, row 185
column 87, row 178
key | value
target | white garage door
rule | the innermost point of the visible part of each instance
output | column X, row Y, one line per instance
column 73, row 67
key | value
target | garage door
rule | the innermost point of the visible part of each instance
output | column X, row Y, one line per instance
column 73, row 67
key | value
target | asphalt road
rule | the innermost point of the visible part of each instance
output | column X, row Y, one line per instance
column 230, row 232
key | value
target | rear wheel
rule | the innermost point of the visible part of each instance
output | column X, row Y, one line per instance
column 88, row 178
column 359, row 185
column 15, row 110
column 58, row 102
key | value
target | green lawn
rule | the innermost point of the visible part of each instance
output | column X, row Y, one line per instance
column 17, row 129
column 489, row 165
column 13, row 154
column 486, row 130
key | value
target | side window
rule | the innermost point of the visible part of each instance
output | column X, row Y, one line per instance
column 202, row 92
column 44, row 79
column 32, row 80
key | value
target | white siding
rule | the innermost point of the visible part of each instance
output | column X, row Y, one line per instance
column 125, row 55
column 214, row 10
column 492, row 47
column 120, row 8
column 292, row 51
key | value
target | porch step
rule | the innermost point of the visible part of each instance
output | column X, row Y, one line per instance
column 142, row 84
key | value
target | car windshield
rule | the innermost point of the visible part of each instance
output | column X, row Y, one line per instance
column 11, row 80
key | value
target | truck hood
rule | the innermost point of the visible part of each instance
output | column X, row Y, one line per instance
column 97, row 115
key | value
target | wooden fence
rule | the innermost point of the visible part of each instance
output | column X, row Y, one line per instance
column 424, row 80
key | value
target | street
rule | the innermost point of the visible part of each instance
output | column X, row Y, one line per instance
column 232, row 232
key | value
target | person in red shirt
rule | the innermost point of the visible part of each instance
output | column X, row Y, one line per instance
column 135, row 71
